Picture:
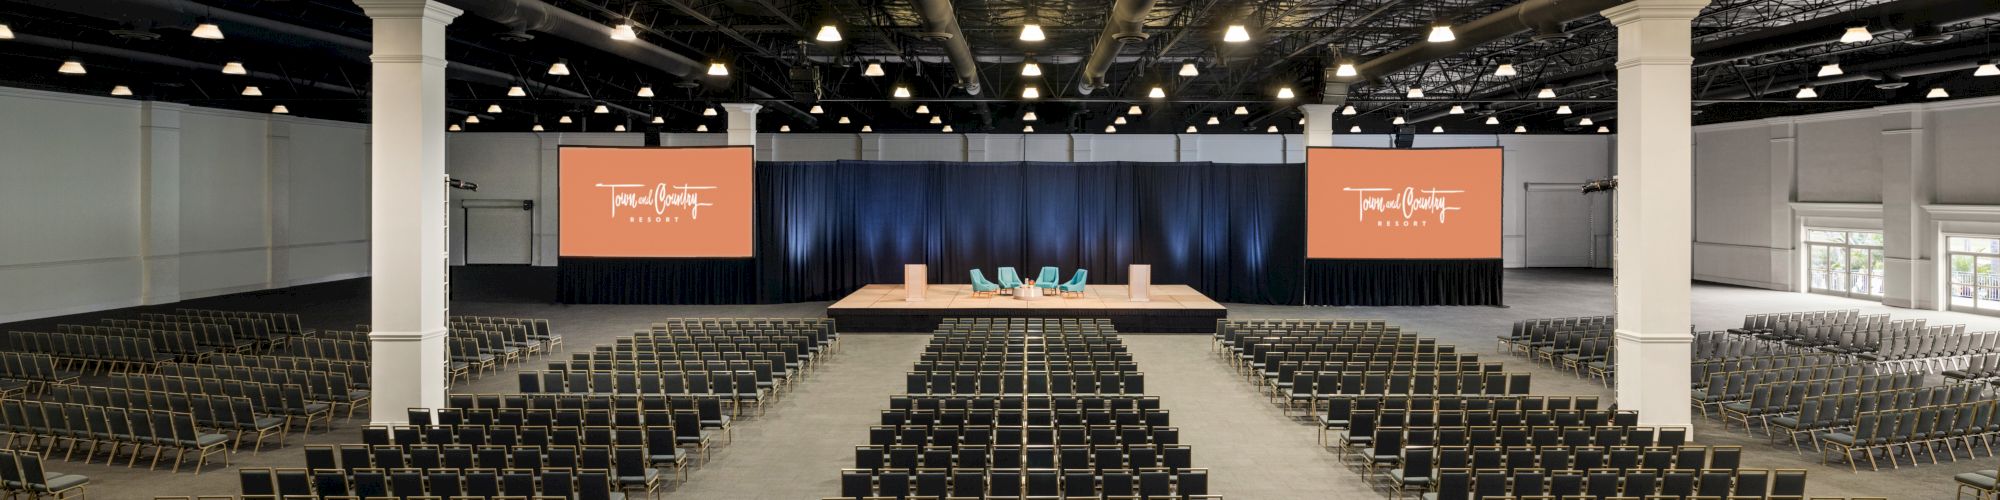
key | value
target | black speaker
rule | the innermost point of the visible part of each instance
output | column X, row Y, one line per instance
column 804, row 84
column 1405, row 138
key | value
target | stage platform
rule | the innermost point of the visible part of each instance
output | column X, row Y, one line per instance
column 882, row 308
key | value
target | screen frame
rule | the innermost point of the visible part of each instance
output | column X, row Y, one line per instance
column 1500, row 187
column 754, row 200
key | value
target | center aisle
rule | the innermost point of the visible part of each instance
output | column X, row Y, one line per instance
column 813, row 429
column 1249, row 447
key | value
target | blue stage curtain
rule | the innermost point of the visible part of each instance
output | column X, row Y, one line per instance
column 1235, row 232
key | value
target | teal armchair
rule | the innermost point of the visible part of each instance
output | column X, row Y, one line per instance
column 1075, row 283
column 1009, row 280
column 980, row 286
column 1049, row 278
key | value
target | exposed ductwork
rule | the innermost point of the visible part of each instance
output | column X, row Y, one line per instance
column 1127, row 24
column 941, row 27
column 1904, row 15
column 534, row 15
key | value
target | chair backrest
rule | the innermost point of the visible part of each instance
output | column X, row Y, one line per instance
column 1049, row 275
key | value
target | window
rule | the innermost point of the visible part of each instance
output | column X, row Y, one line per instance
column 1845, row 263
column 1975, row 273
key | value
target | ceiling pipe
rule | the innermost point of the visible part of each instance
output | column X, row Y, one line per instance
column 534, row 15
column 1904, row 15
column 941, row 27
column 1126, row 25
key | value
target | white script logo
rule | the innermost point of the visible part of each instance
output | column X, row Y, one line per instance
column 659, row 197
column 1410, row 202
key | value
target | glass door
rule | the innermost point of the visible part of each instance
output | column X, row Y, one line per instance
column 1975, row 274
column 1844, row 263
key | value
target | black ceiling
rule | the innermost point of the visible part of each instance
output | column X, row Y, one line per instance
column 311, row 55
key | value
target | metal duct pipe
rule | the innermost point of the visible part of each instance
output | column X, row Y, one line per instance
column 163, row 60
column 1127, row 24
column 941, row 26
column 1903, row 15
column 533, row 15
column 1543, row 16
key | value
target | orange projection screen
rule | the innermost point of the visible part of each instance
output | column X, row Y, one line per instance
column 1403, row 203
column 656, row 202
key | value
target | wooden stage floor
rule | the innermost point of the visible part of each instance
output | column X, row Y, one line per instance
column 882, row 308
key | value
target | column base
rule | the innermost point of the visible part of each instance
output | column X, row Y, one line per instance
column 407, row 370
column 1653, row 377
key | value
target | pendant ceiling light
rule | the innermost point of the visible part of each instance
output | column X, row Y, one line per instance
column 935, row 120
column 281, row 109
column 565, row 119
column 1157, row 93
column 1348, row 110
column 207, row 31
column 1546, row 93
column 1241, row 110
column 1829, row 69
column 1135, row 110
column 1415, row 93
column 493, row 108
column 1437, row 129
column 1118, row 121
column 454, row 128
column 902, row 92
column 1937, row 93
column 873, row 69
column 708, row 111
column 1346, row 68
column 658, row 120
column 1856, row 34
column 1441, row 32
column 1028, row 129
column 517, row 91
column 781, row 128
column 1987, row 68
column 471, row 118
column 624, row 33
column 1457, row 109
column 1563, row 110
column 6, row 33
column 1603, row 130
column 1806, row 92
column 816, row 109
column 601, row 109
column 1032, row 32
column 844, row 120
column 1110, row 129
column 253, row 91
column 923, row 109
column 620, row 128
column 1030, row 92
column 865, row 128
column 1271, row 129
column 1504, row 69
column 1191, row 129
column 1214, row 120
column 1586, row 121
column 828, row 33
column 1031, row 68
column 536, row 128
column 121, row 90
column 645, row 91
column 234, row 68
column 718, row 69
column 1028, row 116
column 701, row 128
column 560, row 68
column 1398, row 121
column 1520, row 129
column 1236, row 34
column 1188, row 69
column 1492, row 120
column 1285, row 93
column 947, row 129
column 1354, row 129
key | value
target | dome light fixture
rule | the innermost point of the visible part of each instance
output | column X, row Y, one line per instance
column 708, row 111
column 1437, row 129
column 536, row 128
column 1191, row 129
column 936, row 120
column 781, row 128
column 1415, row 93
column 560, row 68
column 1492, row 120
column 565, row 119
column 1348, row 110
column 1586, row 121
column 1031, row 68
column 234, row 68
column 1118, row 121
column 1441, row 32
column 1987, row 68
column 1236, row 34
column 1157, row 93
column 1457, row 109
column 1505, row 69
column 601, row 109
column 1398, row 121
column 902, row 92
column 873, row 69
column 844, row 120
column 1032, row 32
column 6, row 33
column 716, row 68
column 1028, row 129
column 471, row 118
column 701, row 128
column 1241, row 110
column 828, row 33
column 207, row 31
column 493, row 108
column 923, row 109
column 1831, row 68
column 1285, row 92
column 1346, row 68
column 947, row 129
column 1354, row 129
column 816, row 109
column 1937, row 93
column 623, row 32
column 1603, row 130
column 1135, row 110
column 1520, row 129
column 1563, row 110
column 253, row 91
column 645, row 91
column 454, row 128
column 1028, row 116
column 1856, row 34
column 1271, row 129
column 620, row 128
column 1212, row 120
column 1188, row 69
column 517, row 91
column 1546, row 93
column 1806, row 92
column 659, row 120
column 1110, row 129
column 121, row 90
column 281, row 109
column 1030, row 92
column 865, row 128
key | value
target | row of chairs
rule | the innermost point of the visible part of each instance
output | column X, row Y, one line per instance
column 287, row 401
column 1312, row 389
column 1723, row 388
column 183, row 344
column 418, row 484
column 48, row 426
column 635, row 463
column 89, row 353
column 1044, row 484
column 739, row 389
column 22, row 472
column 282, row 323
column 1096, row 458
column 329, row 387
column 1742, row 484
column 1839, row 410
column 223, row 414
column 1882, row 432
column 1050, row 382
column 680, row 429
column 1769, row 400
column 1701, row 370
column 211, row 336
column 28, row 372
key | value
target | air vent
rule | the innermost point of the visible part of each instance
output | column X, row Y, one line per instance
column 142, row 35
column 1926, row 34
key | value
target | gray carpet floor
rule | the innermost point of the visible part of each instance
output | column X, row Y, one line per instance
column 796, row 449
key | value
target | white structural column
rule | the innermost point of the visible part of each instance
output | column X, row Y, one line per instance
column 1655, row 167
column 408, row 254
column 1907, row 182
column 742, row 122
column 160, row 192
column 1319, row 124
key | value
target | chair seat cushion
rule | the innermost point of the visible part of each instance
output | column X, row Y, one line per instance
column 1975, row 480
column 1837, row 437
column 62, row 482
column 206, row 440
column 1786, row 422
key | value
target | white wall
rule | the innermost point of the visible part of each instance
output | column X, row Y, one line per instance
column 115, row 202
column 505, row 167
column 1913, row 171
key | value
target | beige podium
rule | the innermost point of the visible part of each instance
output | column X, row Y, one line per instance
column 916, row 280
column 1140, row 281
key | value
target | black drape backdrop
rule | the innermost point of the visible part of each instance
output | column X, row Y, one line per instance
column 1235, row 232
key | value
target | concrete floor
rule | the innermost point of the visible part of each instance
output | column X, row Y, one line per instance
column 1252, row 451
